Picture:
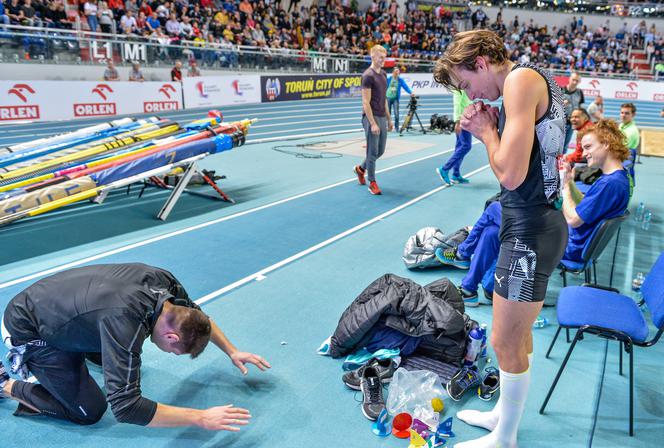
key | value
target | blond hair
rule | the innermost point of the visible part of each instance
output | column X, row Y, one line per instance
column 608, row 133
column 463, row 52
column 378, row 48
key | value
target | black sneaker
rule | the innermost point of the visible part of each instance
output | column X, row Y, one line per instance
column 488, row 295
column 490, row 384
column 466, row 378
column 372, row 394
column 384, row 367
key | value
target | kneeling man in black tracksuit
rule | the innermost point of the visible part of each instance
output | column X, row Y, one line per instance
column 106, row 312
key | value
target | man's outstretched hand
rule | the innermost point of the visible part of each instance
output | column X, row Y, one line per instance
column 241, row 358
column 224, row 418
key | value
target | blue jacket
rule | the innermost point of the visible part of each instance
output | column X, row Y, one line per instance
column 402, row 85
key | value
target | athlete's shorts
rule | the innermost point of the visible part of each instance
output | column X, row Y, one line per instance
column 532, row 242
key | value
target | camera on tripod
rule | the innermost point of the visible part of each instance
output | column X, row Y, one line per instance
column 412, row 104
column 412, row 112
column 442, row 124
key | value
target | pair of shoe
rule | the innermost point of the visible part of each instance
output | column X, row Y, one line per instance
column 468, row 377
column 451, row 257
column 445, row 177
column 373, row 186
column 370, row 379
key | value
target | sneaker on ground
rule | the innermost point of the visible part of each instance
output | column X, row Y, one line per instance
column 373, row 188
column 384, row 367
column 451, row 258
column 466, row 378
column 444, row 176
column 460, row 179
column 469, row 298
column 372, row 394
column 360, row 174
column 488, row 295
column 490, row 384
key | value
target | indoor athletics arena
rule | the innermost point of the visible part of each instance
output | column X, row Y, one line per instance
column 341, row 223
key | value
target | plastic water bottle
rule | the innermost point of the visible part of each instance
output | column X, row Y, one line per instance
column 483, row 328
column 473, row 347
column 540, row 322
column 638, row 281
column 639, row 211
column 647, row 216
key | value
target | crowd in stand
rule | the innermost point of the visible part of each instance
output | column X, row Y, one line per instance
column 337, row 26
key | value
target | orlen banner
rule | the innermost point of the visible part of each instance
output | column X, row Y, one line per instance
column 211, row 91
column 622, row 89
column 66, row 100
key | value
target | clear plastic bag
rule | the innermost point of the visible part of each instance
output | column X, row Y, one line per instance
column 412, row 392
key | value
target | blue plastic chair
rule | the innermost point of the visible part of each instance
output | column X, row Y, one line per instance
column 604, row 312
column 594, row 247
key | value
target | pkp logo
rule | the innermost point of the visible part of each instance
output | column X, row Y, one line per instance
column 21, row 91
column 101, row 90
column 272, row 88
column 166, row 89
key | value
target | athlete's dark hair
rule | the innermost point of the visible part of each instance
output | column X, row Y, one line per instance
column 463, row 52
column 193, row 327
column 629, row 106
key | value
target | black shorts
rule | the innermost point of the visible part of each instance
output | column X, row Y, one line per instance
column 532, row 242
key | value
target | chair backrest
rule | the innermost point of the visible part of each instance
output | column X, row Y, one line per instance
column 653, row 291
column 601, row 236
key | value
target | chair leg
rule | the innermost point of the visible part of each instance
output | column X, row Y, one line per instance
column 577, row 337
column 567, row 334
column 613, row 261
column 586, row 275
column 595, row 272
column 548, row 352
column 564, row 280
column 620, row 356
column 631, row 390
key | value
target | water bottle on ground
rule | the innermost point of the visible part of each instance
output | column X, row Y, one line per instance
column 647, row 216
column 639, row 211
column 473, row 347
column 638, row 281
column 540, row 322
column 483, row 328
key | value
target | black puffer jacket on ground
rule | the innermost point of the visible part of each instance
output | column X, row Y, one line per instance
column 435, row 311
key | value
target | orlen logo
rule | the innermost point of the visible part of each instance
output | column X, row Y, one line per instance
column 633, row 93
column 23, row 111
column 96, row 109
column 272, row 88
column 236, row 87
column 160, row 106
column 595, row 88
column 658, row 97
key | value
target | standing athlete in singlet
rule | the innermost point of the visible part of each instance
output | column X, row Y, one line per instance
column 523, row 142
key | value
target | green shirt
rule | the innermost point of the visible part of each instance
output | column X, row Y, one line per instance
column 631, row 133
column 461, row 101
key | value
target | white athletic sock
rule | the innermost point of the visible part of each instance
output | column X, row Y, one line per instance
column 489, row 419
column 513, row 392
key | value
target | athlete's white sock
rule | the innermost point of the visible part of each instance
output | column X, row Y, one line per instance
column 513, row 393
column 489, row 419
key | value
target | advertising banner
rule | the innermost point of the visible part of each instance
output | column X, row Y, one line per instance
column 64, row 100
column 298, row 87
column 623, row 89
column 212, row 91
